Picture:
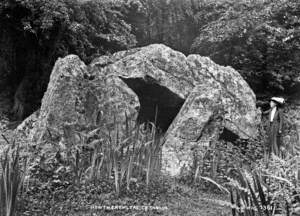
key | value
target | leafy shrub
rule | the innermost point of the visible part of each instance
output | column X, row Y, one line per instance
column 282, row 177
column 273, row 186
column 248, row 197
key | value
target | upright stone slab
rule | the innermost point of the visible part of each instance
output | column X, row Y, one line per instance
column 75, row 97
column 222, row 105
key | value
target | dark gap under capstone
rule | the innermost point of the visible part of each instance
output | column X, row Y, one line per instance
column 155, row 98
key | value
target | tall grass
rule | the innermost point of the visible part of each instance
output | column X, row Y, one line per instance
column 132, row 156
column 125, row 152
column 248, row 196
column 271, row 188
column 12, row 175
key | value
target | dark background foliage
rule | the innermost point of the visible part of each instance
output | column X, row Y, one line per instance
column 34, row 33
column 259, row 38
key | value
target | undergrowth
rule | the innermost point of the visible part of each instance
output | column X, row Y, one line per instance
column 90, row 167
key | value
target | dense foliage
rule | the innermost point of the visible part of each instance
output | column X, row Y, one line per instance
column 259, row 38
column 80, row 27
column 34, row 33
column 170, row 22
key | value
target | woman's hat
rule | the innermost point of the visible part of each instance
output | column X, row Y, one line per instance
column 279, row 100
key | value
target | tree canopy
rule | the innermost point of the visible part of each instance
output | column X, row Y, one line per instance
column 34, row 33
column 259, row 38
column 79, row 27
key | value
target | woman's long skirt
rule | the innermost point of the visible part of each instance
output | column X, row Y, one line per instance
column 274, row 138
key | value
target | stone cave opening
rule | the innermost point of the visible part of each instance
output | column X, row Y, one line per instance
column 228, row 136
column 158, row 104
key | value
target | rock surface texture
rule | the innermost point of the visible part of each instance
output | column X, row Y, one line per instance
column 222, row 105
column 192, row 100
column 75, row 97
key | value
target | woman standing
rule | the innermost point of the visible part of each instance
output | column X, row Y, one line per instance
column 275, row 122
